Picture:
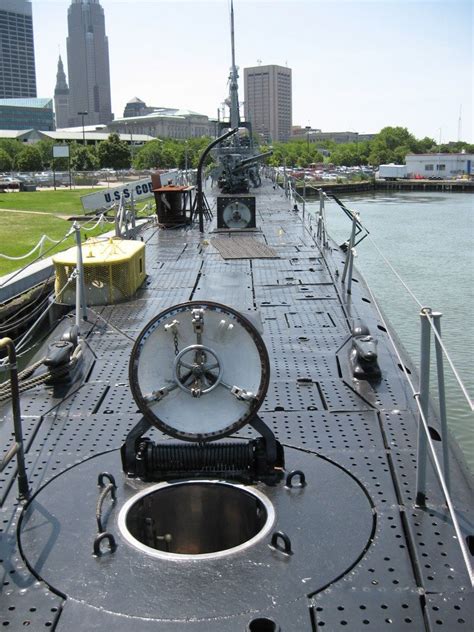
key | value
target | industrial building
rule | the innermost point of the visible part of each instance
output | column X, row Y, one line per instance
column 268, row 101
column 17, row 53
column 24, row 114
column 439, row 165
column 314, row 135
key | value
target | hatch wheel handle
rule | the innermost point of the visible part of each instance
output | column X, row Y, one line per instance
column 201, row 370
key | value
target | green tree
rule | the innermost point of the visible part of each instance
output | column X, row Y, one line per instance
column 29, row 159
column 83, row 158
column 149, row 155
column 114, row 153
column 346, row 154
column 12, row 146
column 6, row 162
column 45, row 147
column 424, row 145
column 392, row 144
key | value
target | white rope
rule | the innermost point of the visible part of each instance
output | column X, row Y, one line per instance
column 39, row 246
column 100, row 222
column 27, row 335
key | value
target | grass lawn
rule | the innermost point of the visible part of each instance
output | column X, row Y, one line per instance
column 60, row 202
column 20, row 232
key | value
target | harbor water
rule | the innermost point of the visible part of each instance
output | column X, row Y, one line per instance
column 429, row 239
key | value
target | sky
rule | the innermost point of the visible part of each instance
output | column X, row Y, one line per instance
column 356, row 65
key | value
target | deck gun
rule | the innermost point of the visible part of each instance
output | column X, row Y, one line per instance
column 237, row 172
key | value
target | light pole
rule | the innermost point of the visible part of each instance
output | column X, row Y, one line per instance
column 308, row 129
column 130, row 127
column 82, row 115
column 186, row 160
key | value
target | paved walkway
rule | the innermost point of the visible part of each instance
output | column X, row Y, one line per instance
column 14, row 210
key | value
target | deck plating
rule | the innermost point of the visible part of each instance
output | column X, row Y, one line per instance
column 405, row 575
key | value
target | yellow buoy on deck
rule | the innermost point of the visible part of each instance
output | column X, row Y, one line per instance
column 113, row 271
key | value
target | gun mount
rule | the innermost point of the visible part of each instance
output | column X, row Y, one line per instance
column 236, row 172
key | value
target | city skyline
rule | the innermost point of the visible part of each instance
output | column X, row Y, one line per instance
column 356, row 65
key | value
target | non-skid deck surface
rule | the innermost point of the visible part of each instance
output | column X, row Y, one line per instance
column 411, row 577
column 232, row 247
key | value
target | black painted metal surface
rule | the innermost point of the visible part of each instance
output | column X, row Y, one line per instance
column 393, row 566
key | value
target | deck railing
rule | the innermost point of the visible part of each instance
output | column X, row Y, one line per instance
column 430, row 327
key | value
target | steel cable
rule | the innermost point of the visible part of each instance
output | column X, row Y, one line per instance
column 457, row 377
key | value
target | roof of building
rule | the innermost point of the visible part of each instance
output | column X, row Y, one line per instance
column 445, row 154
column 59, row 135
column 160, row 113
column 28, row 103
column 77, row 135
column 14, row 133
column 135, row 100
column 99, row 127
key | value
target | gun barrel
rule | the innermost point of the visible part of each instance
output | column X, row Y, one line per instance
column 251, row 159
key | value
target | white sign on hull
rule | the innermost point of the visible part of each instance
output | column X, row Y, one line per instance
column 140, row 189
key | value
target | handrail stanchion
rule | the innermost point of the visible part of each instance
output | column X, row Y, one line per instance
column 18, row 447
column 321, row 230
column 348, row 264
column 81, row 311
column 436, row 316
column 320, row 215
column 304, row 196
column 423, row 396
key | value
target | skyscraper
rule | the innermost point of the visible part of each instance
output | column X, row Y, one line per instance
column 61, row 97
column 88, row 63
column 17, row 53
column 268, row 101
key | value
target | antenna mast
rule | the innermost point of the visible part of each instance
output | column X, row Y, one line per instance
column 233, row 80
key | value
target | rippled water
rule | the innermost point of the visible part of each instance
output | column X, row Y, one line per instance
column 429, row 239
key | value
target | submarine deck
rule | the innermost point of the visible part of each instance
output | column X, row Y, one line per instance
column 409, row 575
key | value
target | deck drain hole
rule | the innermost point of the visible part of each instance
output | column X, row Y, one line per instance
column 263, row 625
column 195, row 519
column 470, row 543
column 434, row 434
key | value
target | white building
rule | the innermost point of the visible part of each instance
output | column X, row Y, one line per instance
column 439, row 165
column 165, row 123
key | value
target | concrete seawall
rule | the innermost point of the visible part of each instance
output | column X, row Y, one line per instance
column 451, row 186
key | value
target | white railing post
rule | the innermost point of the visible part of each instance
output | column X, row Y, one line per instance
column 350, row 256
column 81, row 310
column 423, row 395
column 436, row 316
